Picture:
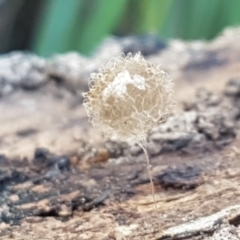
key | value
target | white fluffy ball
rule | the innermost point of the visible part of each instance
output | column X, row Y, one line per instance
column 128, row 97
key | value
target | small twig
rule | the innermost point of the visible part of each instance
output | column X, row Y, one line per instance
column 99, row 200
column 204, row 224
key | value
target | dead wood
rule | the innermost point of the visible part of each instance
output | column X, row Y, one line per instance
column 59, row 179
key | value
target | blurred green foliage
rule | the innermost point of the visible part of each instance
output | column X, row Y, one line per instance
column 81, row 25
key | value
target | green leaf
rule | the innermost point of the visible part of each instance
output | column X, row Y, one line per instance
column 203, row 18
column 199, row 19
column 176, row 20
column 100, row 23
column 233, row 12
column 53, row 33
column 153, row 14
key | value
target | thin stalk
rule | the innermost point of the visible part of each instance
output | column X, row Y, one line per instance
column 149, row 174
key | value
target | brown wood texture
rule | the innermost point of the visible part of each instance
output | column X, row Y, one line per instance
column 60, row 179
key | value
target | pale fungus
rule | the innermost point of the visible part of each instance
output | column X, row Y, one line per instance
column 127, row 98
